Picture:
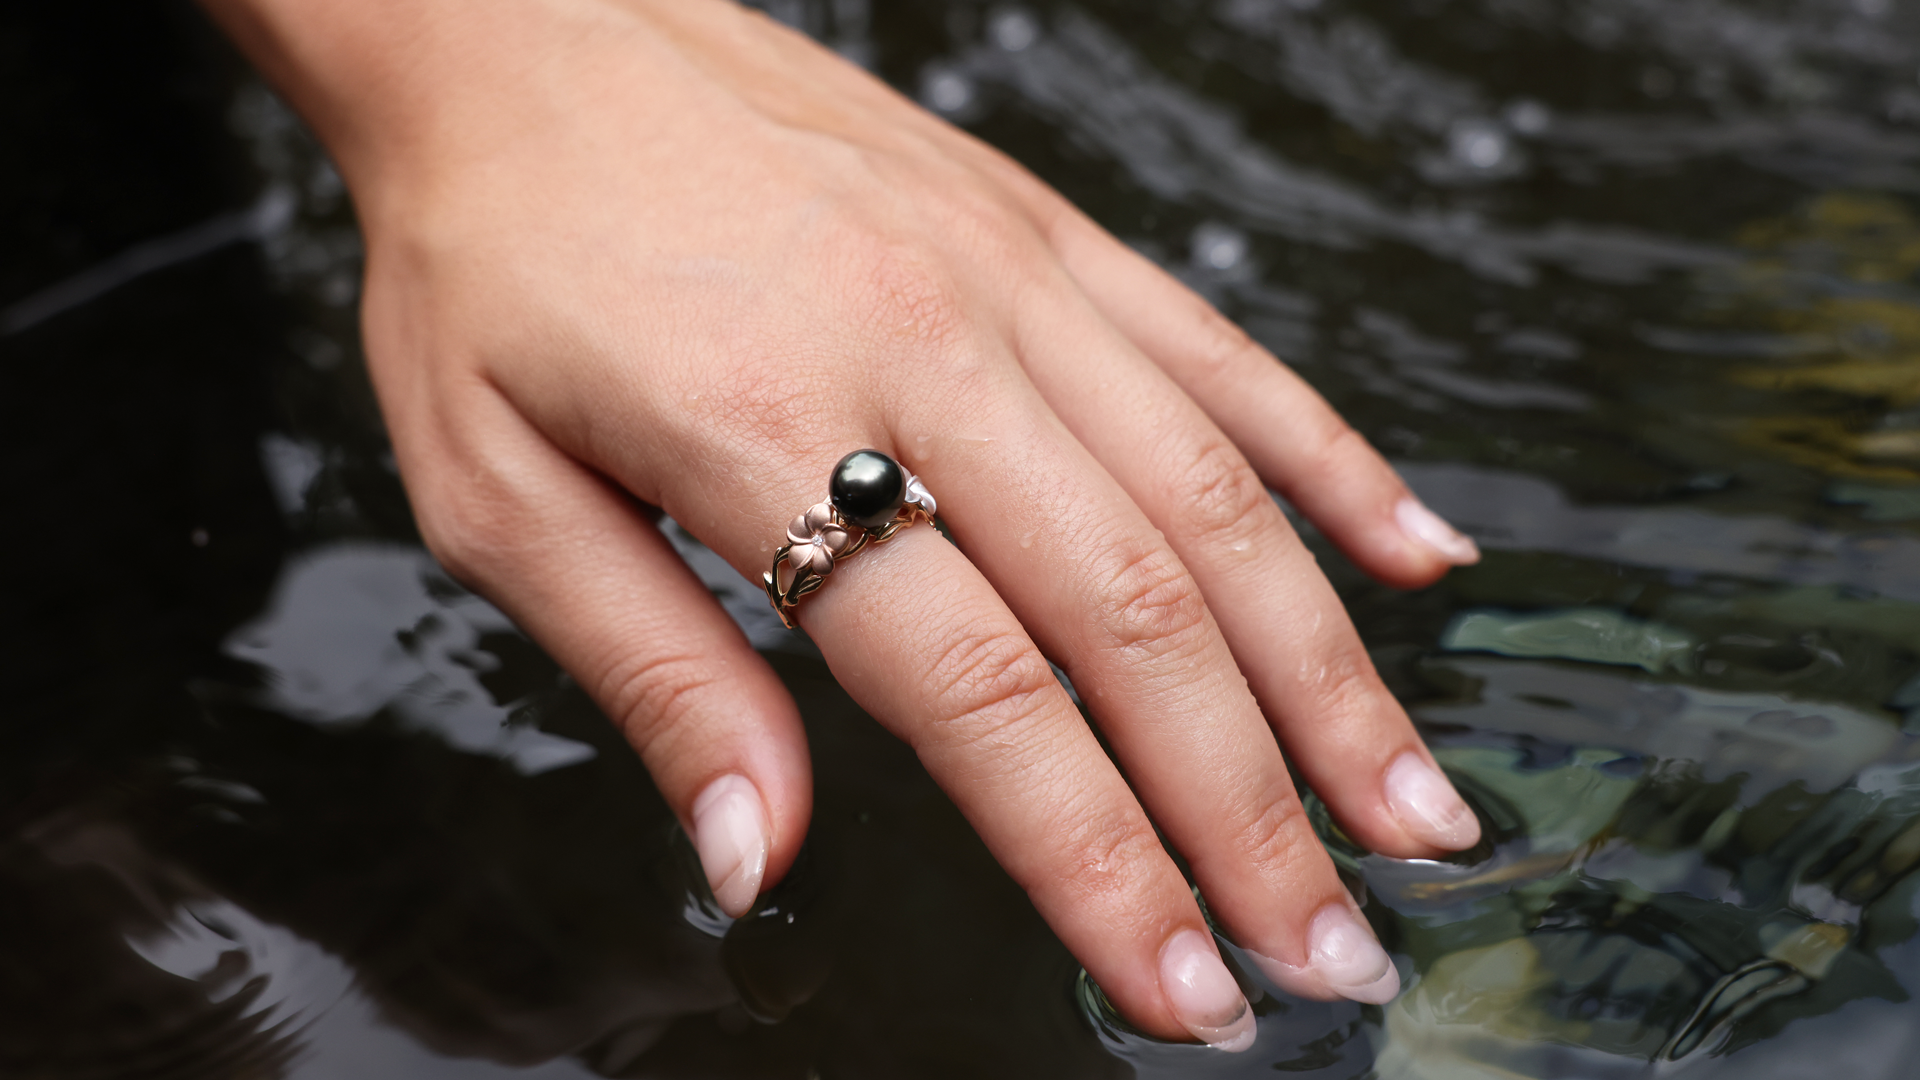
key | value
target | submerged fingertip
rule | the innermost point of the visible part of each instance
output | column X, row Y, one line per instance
column 1378, row 992
column 1203, row 994
column 1348, row 958
column 1294, row 979
column 1427, row 806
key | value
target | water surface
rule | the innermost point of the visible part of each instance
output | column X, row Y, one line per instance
column 1629, row 289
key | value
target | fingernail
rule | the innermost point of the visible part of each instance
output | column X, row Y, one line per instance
column 730, row 832
column 1295, row 980
column 1427, row 805
column 1432, row 530
column 1203, row 994
column 1349, row 959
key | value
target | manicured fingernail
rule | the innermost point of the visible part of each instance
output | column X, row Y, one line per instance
column 1427, row 805
column 730, row 832
column 1432, row 530
column 1349, row 959
column 1298, row 981
column 1203, row 994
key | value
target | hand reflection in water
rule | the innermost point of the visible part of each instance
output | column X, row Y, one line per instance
column 669, row 253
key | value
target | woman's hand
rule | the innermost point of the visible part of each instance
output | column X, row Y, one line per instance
column 667, row 252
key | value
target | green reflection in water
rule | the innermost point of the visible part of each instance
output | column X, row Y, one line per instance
column 1673, row 874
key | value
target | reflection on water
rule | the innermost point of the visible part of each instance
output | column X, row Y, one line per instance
column 1629, row 289
column 356, row 629
column 1676, row 874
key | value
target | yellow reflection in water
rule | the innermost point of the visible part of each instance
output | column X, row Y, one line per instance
column 1826, row 278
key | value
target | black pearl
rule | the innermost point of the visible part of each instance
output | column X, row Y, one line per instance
column 868, row 488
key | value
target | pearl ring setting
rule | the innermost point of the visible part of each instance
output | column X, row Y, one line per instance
column 869, row 499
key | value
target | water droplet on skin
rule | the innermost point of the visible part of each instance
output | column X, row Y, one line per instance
column 1026, row 541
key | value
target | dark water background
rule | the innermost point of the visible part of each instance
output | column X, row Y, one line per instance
column 1629, row 288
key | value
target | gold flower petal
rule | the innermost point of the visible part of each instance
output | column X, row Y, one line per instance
column 822, row 560
column 837, row 539
column 818, row 516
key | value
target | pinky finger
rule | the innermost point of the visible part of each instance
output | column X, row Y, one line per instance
column 577, row 565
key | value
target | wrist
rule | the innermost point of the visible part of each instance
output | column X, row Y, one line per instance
column 402, row 91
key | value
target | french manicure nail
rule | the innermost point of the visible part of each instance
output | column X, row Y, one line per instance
column 1349, row 959
column 1203, row 994
column 1300, row 981
column 1432, row 530
column 1427, row 805
column 730, row 832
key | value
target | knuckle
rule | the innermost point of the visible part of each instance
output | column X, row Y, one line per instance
column 1224, row 501
column 460, row 549
column 465, row 527
column 1333, row 443
column 1152, row 604
column 770, row 412
column 987, row 683
column 998, row 234
column 653, row 697
column 1272, row 837
column 902, row 294
column 1105, row 854
column 1344, row 682
column 1221, row 349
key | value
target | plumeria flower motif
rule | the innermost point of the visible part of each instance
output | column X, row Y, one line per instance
column 817, row 539
column 917, row 493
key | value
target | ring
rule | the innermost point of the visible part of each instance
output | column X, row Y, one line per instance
column 868, row 500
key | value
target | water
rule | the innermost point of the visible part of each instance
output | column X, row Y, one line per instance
column 1626, row 288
